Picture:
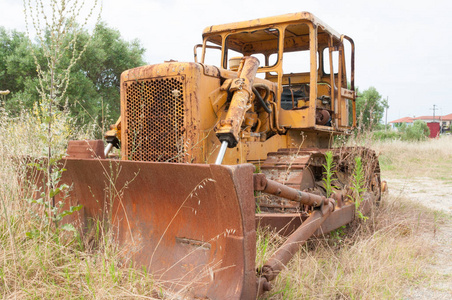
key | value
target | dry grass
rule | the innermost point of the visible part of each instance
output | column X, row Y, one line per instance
column 366, row 260
column 431, row 158
column 37, row 262
column 377, row 258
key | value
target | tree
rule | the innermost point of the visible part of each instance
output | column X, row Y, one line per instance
column 93, row 89
column 16, row 66
column 98, row 73
column 370, row 107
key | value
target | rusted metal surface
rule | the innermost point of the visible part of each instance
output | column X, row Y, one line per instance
column 165, row 112
column 322, row 117
column 286, row 167
column 337, row 218
column 384, row 186
column 229, row 128
column 261, row 183
column 155, row 119
column 286, row 223
column 292, row 245
column 191, row 226
column 293, row 168
column 289, row 163
column 282, row 223
column 86, row 149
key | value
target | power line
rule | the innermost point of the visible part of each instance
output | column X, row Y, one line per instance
column 435, row 107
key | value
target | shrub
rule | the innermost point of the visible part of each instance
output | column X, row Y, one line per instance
column 417, row 132
column 386, row 135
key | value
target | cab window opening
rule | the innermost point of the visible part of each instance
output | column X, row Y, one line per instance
column 257, row 43
column 212, row 55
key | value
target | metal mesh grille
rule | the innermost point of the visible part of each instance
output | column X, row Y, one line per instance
column 155, row 118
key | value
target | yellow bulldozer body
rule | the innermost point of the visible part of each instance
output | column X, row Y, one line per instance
column 270, row 92
column 170, row 111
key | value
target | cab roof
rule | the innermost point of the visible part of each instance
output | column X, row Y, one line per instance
column 293, row 18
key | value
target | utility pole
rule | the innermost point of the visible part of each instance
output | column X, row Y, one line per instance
column 386, row 118
column 441, row 121
column 435, row 107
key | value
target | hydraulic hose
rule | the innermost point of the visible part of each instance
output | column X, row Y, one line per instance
column 263, row 101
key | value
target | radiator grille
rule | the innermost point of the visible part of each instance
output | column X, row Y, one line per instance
column 155, row 119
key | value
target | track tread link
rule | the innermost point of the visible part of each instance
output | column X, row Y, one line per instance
column 288, row 166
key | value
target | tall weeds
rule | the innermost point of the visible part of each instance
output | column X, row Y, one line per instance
column 38, row 260
column 329, row 170
column 39, row 265
column 367, row 260
column 54, row 24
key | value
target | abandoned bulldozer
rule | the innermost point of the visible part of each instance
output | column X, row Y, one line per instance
column 212, row 149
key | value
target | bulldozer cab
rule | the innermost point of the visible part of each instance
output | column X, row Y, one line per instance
column 310, row 64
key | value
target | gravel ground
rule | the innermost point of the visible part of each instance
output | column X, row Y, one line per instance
column 427, row 191
column 438, row 196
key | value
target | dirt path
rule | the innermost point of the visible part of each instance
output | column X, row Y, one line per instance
column 427, row 191
column 438, row 196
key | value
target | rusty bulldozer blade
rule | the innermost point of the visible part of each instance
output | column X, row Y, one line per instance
column 191, row 226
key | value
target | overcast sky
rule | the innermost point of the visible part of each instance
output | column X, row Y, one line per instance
column 401, row 46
